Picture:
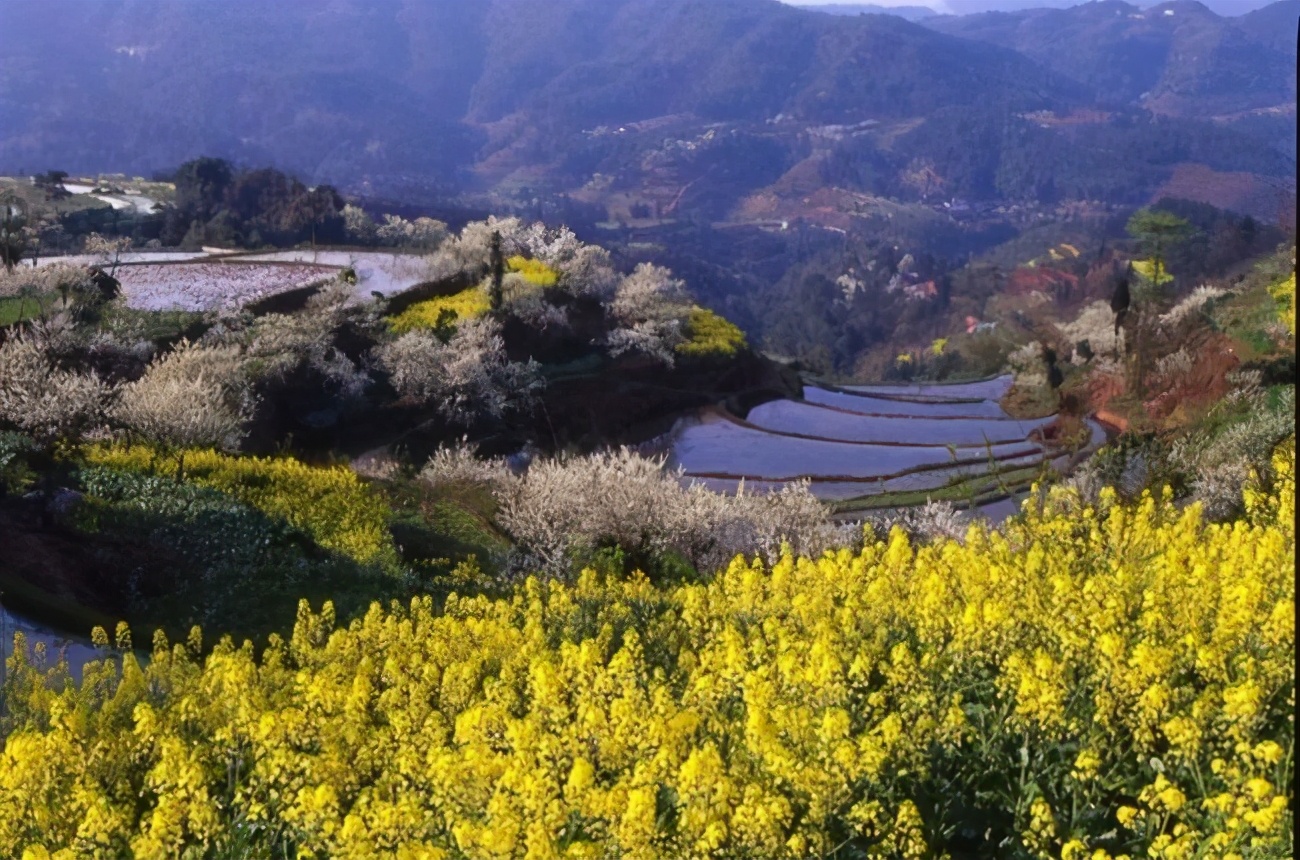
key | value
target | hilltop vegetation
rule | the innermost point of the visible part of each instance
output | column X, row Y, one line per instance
column 147, row 420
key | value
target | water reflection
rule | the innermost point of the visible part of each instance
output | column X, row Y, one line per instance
column 77, row 649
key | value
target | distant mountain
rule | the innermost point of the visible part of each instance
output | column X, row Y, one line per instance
column 1275, row 25
column 360, row 88
column 911, row 13
column 1175, row 58
column 1227, row 8
column 685, row 109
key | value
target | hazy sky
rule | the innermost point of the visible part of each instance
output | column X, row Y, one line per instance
column 958, row 7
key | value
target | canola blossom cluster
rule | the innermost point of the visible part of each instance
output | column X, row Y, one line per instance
column 533, row 271
column 1092, row 682
column 1284, row 293
column 331, row 504
column 710, row 335
column 465, row 305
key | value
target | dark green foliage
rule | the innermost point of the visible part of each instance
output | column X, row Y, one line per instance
column 497, row 266
column 217, row 204
column 1215, row 242
column 13, row 235
column 236, row 568
column 16, row 453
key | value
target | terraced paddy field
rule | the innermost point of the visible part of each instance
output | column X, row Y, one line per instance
column 200, row 281
column 821, row 422
column 987, row 389
column 876, row 448
column 376, row 271
column 904, row 407
column 201, row 286
column 126, row 258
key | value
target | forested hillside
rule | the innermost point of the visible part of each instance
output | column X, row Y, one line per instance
column 462, row 94
column 1176, row 57
column 153, row 84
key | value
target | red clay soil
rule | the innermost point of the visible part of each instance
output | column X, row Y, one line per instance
column 1042, row 279
column 1205, row 383
column 1101, row 388
column 1114, row 424
column 1246, row 193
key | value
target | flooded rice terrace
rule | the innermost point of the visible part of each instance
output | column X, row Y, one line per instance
column 201, row 281
column 877, row 447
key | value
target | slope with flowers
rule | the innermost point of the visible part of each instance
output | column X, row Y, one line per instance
column 1099, row 680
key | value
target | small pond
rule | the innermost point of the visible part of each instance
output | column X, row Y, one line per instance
column 78, row 649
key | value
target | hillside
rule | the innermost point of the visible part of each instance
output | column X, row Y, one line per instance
column 911, row 13
column 360, row 89
column 748, row 143
column 639, row 110
column 1176, row 58
column 455, row 655
column 1273, row 25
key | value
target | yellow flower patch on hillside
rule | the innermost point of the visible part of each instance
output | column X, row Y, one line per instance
column 466, row 305
column 1147, row 269
column 535, row 272
column 710, row 335
column 331, row 504
column 1284, row 294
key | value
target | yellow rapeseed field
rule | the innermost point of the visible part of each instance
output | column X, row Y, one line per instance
column 1092, row 682
column 535, row 272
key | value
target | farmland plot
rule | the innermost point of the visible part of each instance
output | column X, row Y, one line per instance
column 211, row 285
column 869, row 404
column 876, row 447
column 986, row 389
column 128, row 257
column 723, row 448
column 808, row 419
column 376, row 271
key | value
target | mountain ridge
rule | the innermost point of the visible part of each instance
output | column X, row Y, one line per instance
column 243, row 80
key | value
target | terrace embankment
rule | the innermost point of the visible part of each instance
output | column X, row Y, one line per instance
column 874, row 447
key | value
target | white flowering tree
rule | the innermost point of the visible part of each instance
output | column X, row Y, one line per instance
column 469, row 376
column 589, row 272
column 427, row 233
column 564, row 508
column 286, row 342
column 194, row 396
column 649, row 310
column 358, row 226
column 51, row 404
